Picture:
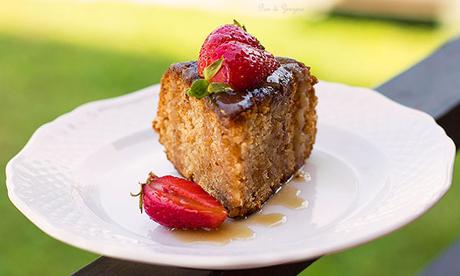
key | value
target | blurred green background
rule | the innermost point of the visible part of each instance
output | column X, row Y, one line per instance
column 56, row 56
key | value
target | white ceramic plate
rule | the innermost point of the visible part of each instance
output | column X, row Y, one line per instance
column 376, row 166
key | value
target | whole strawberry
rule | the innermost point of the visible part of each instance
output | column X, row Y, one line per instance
column 243, row 66
column 231, row 58
column 221, row 35
column 179, row 203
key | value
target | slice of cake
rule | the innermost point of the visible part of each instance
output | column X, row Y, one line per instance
column 240, row 145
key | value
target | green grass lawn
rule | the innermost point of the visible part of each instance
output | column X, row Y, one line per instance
column 54, row 57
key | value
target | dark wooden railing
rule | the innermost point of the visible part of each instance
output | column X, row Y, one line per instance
column 432, row 85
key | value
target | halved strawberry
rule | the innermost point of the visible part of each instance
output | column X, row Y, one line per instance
column 179, row 203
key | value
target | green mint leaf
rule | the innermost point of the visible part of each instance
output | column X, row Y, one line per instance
column 211, row 70
column 218, row 87
column 199, row 89
column 239, row 25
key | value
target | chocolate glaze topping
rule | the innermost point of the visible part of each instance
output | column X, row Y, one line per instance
column 232, row 103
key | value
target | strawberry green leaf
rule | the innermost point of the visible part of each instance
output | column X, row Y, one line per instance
column 218, row 87
column 211, row 70
column 239, row 25
column 199, row 89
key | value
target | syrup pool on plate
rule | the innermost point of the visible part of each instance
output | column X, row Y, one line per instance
column 231, row 229
column 269, row 220
column 288, row 196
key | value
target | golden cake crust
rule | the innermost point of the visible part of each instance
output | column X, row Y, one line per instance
column 239, row 146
